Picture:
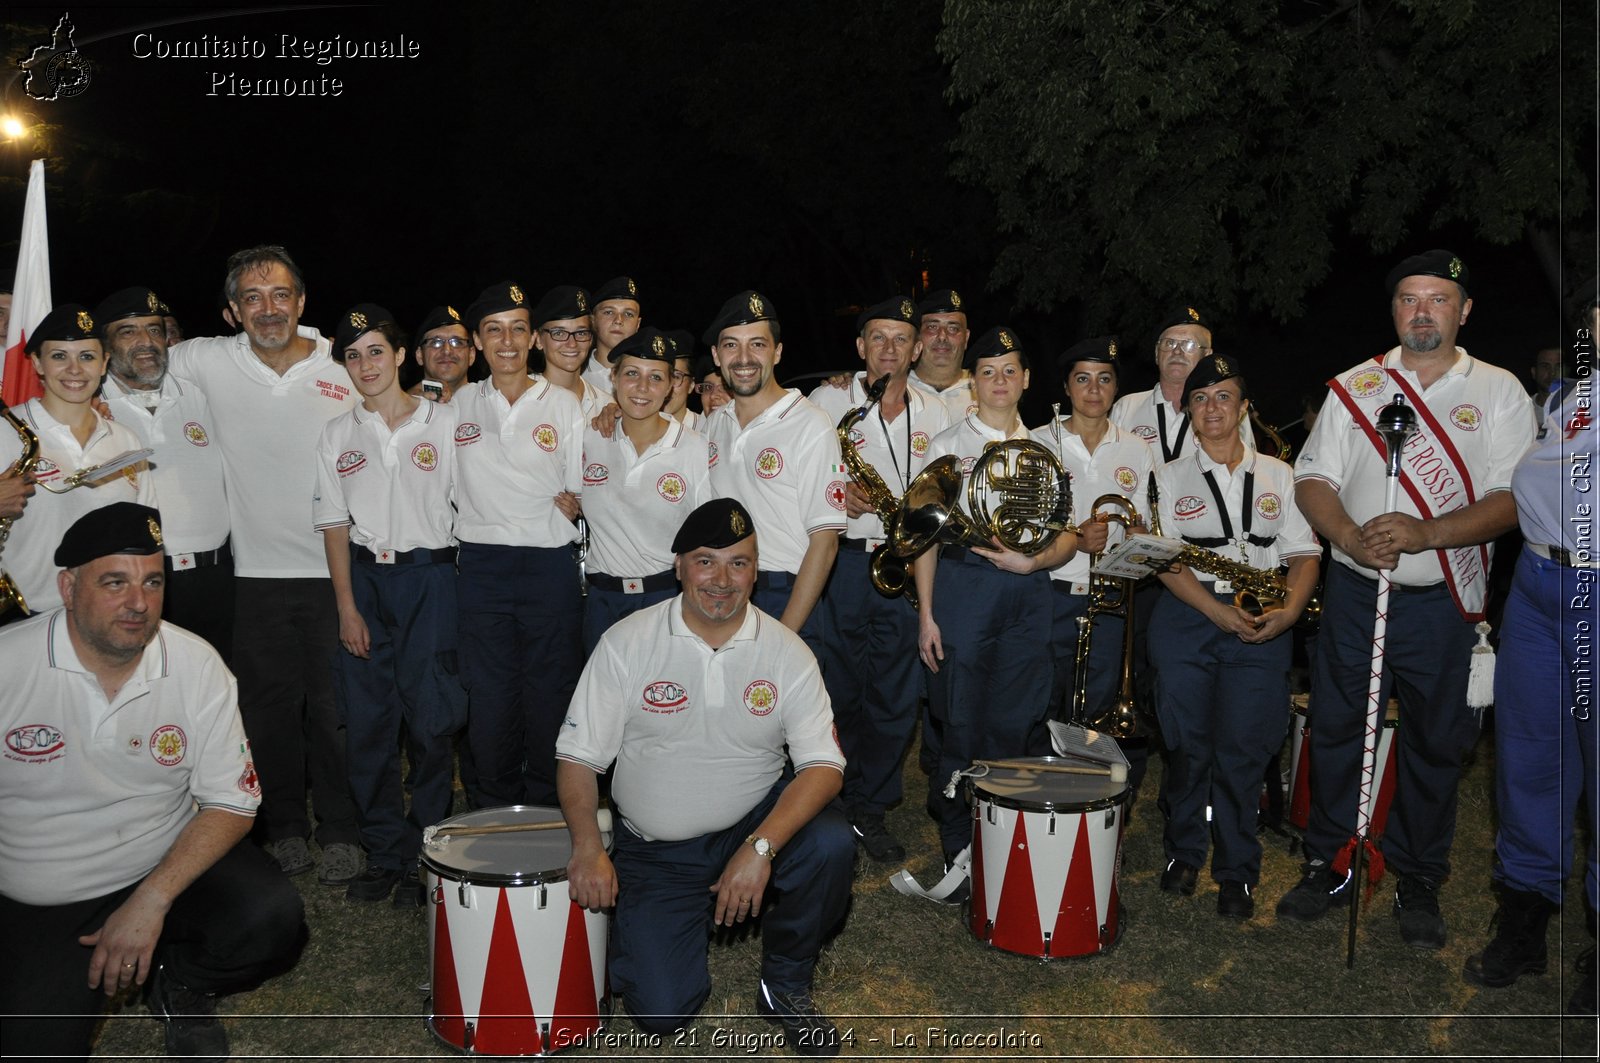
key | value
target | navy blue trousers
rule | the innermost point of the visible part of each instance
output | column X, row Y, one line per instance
column 410, row 676
column 602, row 608
column 869, row 655
column 659, row 940
column 992, row 689
column 239, row 922
column 1546, row 732
column 772, row 597
column 1224, row 711
column 1105, row 655
column 521, row 619
column 1428, row 647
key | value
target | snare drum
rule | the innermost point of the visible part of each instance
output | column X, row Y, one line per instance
column 1046, row 855
column 518, row 969
column 1300, row 767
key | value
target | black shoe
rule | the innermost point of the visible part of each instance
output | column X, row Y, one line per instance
column 373, row 884
column 1416, row 905
column 1179, row 877
column 1583, row 999
column 806, row 1029
column 1517, row 947
column 1234, row 900
column 1319, row 889
column 875, row 838
column 190, row 1018
column 409, row 892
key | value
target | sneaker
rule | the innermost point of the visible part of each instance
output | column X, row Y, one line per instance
column 1416, row 905
column 341, row 863
column 806, row 1029
column 190, row 1018
column 374, row 883
column 875, row 838
column 409, row 892
column 1234, row 900
column 292, row 855
column 1179, row 877
column 1319, row 889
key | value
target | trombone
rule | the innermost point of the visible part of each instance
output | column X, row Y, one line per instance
column 1122, row 719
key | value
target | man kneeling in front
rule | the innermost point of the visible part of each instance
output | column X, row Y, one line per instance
column 695, row 699
column 126, row 793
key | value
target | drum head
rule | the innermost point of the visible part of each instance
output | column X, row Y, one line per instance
column 1048, row 791
column 514, row 858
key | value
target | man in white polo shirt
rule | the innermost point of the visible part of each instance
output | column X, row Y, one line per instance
column 702, row 701
column 174, row 419
column 519, row 449
column 617, row 315
column 940, row 372
column 272, row 387
column 128, row 791
column 777, row 453
column 1157, row 416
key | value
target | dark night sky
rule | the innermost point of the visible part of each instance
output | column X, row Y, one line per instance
column 565, row 143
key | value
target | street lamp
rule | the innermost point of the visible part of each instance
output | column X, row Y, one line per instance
column 11, row 127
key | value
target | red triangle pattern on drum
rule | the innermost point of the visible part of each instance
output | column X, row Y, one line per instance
column 576, row 1013
column 1077, row 930
column 1016, row 921
column 447, row 1021
column 506, row 1024
column 978, row 912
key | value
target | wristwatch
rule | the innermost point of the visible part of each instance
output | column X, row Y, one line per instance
column 762, row 847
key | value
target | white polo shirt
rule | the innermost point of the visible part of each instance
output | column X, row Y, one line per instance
column 187, row 465
column 30, row 552
column 1188, row 508
column 597, row 376
column 512, row 461
column 698, row 734
column 1120, row 465
column 897, row 449
column 635, row 503
column 1483, row 411
column 784, row 467
column 96, row 792
column 393, row 488
column 967, row 439
column 267, row 428
column 1163, row 425
column 957, row 399
column 595, row 398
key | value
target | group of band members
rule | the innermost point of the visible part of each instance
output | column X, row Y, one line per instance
column 448, row 516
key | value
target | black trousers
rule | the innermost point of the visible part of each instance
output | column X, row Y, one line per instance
column 239, row 922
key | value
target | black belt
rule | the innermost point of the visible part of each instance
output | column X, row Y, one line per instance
column 1211, row 542
column 1561, row 556
column 188, row 562
column 961, row 553
column 862, row 545
column 420, row 556
column 774, row 581
column 661, row 581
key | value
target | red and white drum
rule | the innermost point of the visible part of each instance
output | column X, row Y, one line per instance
column 1300, row 767
column 518, row 969
column 1046, row 855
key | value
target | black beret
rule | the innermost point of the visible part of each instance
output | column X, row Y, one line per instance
column 495, row 299
column 683, row 340
column 357, row 322
column 560, row 303
column 69, row 321
column 649, row 343
column 1002, row 339
column 717, row 524
column 1183, row 315
column 704, row 366
column 616, row 288
column 120, row 528
column 1435, row 263
column 895, row 308
column 8, row 280
column 438, row 317
column 943, row 301
column 1099, row 349
column 1210, row 370
column 129, row 302
column 746, row 308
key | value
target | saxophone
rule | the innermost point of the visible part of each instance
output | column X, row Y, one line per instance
column 10, row 595
column 891, row 575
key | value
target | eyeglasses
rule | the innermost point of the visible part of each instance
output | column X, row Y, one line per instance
column 708, row 387
column 561, row 335
column 679, row 376
column 1186, row 346
column 439, row 343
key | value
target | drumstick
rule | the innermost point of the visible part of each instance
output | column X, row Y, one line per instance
column 1115, row 772
column 431, row 837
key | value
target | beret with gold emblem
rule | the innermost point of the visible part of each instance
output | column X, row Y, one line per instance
column 649, row 343
column 943, row 301
column 355, row 323
column 129, row 302
column 1211, row 370
column 561, row 303
column 746, row 308
column 69, row 321
column 998, row 341
column 896, row 308
column 495, row 299
column 1183, row 315
column 616, row 288
column 718, row 524
column 1099, row 349
column 120, row 528
column 683, row 340
column 438, row 317
column 1435, row 263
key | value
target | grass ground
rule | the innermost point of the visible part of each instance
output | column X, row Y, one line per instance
column 907, row 979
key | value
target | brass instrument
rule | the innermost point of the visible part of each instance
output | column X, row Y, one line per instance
column 890, row 573
column 1256, row 590
column 1280, row 445
column 23, row 466
column 1122, row 720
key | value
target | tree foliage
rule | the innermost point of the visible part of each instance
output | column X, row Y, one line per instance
column 1222, row 150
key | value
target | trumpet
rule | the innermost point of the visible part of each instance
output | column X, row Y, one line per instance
column 10, row 594
column 890, row 574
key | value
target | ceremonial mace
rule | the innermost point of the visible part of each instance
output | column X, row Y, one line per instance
column 1395, row 423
